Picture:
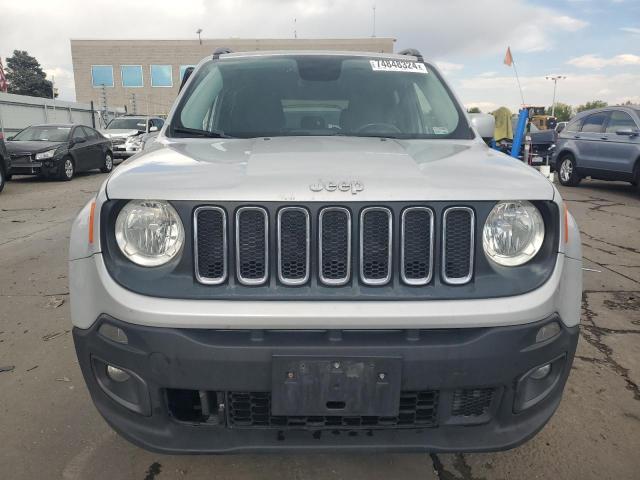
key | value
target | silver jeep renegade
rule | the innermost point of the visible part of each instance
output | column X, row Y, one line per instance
column 320, row 252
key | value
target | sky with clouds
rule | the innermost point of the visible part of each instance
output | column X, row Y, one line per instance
column 594, row 43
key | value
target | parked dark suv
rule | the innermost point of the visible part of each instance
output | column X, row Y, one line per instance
column 603, row 143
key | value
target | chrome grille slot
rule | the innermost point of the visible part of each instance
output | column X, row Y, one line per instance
column 334, row 250
column 210, row 245
column 312, row 246
column 416, row 250
column 458, row 245
column 375, row 245
column 293, row 245
column 252, row 245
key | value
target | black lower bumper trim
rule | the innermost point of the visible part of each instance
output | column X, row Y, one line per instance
column 467, row 379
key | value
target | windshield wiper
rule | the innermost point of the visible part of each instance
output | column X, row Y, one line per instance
column 200, row 133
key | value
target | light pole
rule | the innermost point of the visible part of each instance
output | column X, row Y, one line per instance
column 199, row 31
column 555, row 79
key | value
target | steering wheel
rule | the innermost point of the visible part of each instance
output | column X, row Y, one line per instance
column 377, row 127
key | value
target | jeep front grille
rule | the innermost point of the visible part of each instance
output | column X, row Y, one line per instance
column 315, row 245
column 294, row 230
column 252, row 245
column 458, row 241
column 210, row 246
column 416, row 254
column 375, row 245
column 334, row 245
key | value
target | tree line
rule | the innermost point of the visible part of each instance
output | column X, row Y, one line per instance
column 563, row 112
column 26, row 77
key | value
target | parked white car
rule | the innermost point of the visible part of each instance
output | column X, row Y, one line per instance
column 126, row 133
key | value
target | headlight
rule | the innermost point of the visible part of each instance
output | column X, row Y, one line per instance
column 149, row 232
column 513, row 233
column 134, row 141
column 44, row 155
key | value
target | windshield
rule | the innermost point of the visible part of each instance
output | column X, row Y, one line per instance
column 127, row 124
column 44, row 134
column 318, row 95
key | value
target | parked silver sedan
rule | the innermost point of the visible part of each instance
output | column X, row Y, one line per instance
column 602, row 143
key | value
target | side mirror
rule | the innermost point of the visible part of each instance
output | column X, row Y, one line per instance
column 628, row 132
column 78, row 140
column 153, row 129
column 9, row 138
column 187, row 73
column 484, row 123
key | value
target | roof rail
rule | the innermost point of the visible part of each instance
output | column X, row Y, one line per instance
column 413, row 52
column 221, row 51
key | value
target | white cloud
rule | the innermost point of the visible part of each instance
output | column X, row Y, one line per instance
column 567, row 23
column 598, row 62
column 574, row 90
column 449, row 68
column 631, row 30
column 439, row 29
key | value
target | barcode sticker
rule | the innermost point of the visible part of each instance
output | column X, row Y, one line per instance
column 386, row 65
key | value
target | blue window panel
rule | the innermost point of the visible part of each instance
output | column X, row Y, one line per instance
column 161, row 76
column 131, row 75
column 102, row 75
column 183, row 69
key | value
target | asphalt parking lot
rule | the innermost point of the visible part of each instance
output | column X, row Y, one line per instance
column 50, row 429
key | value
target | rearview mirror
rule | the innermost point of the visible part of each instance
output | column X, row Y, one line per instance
column 628, row 132
column 484, row 124
column 153, row 129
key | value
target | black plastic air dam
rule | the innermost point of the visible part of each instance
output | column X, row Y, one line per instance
column 177, row 278
column 241, row 360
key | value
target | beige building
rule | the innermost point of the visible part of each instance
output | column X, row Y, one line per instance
column 144, row 75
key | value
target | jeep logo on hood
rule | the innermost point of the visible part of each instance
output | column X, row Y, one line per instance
column 353, row 186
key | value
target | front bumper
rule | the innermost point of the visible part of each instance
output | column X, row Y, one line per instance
column 121, row 151
column 37, row 167
column 174, row 366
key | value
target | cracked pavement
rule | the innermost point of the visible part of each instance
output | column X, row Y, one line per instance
column 50, row 429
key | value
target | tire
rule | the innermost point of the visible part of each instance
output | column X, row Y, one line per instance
column 636, row 176
column 108, row 163
column 67, row 169
column 567, row 172
column 3, row 178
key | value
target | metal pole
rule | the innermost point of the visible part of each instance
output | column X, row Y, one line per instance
column 93, row 116
column 374, row 21
column 555, row 79
column 553, row 102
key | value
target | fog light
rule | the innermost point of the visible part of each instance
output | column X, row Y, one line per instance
column 113, row 333
column 124, row 387
column 548, row 331
column 116, row 374
column 541, row 372
column 538, row 383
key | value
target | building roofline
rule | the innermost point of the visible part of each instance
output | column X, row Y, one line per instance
column 235, row 39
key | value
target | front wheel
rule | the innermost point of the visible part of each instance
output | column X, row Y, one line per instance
column 108, row 163
column 67, row 169
column 3, row 178
column 567, row 172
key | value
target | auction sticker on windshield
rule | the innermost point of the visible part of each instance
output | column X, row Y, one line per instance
column 381, row 65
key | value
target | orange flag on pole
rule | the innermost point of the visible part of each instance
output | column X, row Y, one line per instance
column 508, row 59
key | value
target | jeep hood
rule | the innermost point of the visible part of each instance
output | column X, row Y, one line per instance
column 285, row 168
